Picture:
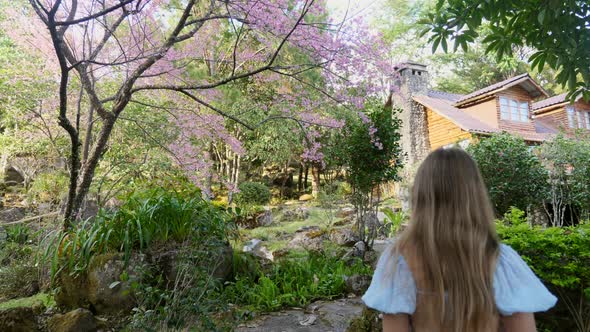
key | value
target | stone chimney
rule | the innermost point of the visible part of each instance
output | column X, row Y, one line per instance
column 412, row 79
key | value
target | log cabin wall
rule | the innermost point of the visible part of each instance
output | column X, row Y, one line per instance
column 442, row 131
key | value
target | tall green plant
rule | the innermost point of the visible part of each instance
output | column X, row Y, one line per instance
column 568, row 162
column 512, row 173
column 371, row 151
column 154, row 216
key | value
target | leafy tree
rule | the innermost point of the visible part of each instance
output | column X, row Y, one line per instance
column 513, row 175
column 568, row 162
column 370, row 150
column 474, row 69
column 110, row 55
column 557, row 30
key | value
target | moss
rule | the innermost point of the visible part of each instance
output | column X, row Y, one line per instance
column 368, row 322
column 37, row 300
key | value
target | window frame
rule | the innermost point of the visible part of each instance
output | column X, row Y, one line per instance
column 512, row 109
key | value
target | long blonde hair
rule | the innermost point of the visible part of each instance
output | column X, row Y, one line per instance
column 451, row 242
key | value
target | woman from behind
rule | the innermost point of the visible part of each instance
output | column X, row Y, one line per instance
column 448, row 270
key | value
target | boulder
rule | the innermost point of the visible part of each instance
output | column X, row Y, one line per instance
column 101, row 288
column 225, row 262
column 299, row 213
column 311, row 239
column 344, row 237
column 345, row 212
column 20, row 319
column 357, row 284
column 252, row 245
column 106, row 291
column 12, row 214
column 343, row 315
column 169, row 261
column 356, row 252
column 280, row 253
column 265, row 218
column 79, row 320
column 305, row 197
column 13, row 177
column 255, row 247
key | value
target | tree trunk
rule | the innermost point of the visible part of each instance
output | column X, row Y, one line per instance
column 315, row 184
column 88, row 137
column 87, row 173
column 305, row 179
column 300, row 179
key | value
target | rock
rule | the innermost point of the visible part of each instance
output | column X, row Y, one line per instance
column 371, row 258
column 225, row 260
column 344, row 237
column 311, row 239
column 252, row 245
column 306, row 229
column 13, row 177
column 103, row 294
column 309, row 320
column 44, row 208
column 255, row 247
column 344, row 315
column 356, row 252
column 277, row 254
column 358, row 284
column 79, row 320
column 21, row 319
column 12, row 214
column 305, row 198
column 89, row 209
column 265, row 218
column 345, row 212
column 170, row 262
column 101, row 288
column 299, row 213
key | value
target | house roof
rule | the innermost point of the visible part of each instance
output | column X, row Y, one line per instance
column 524, row 80
column 442, row 103
column 444, row 108
column 552, row 101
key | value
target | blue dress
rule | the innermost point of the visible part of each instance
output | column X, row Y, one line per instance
column 516, row 288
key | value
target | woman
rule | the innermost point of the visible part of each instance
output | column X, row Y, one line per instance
column 448, row 271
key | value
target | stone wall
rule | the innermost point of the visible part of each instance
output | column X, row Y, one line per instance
column 412, row 80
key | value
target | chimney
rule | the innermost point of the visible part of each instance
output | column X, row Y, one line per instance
column 412, row 79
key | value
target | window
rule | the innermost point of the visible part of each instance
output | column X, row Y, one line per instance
column 514, row 110
column 581, row 122
column 577, row 119
column 571, row 120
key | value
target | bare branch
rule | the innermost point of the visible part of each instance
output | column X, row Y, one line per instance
column 71, row 21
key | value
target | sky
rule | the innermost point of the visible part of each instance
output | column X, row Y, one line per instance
column 368, row 8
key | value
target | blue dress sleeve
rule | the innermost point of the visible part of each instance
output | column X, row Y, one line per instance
column 516, row 287
column 392, row 290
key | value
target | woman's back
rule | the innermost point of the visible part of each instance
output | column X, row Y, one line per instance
column 447, row 270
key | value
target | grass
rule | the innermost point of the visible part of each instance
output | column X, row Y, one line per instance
column 272, row 235
column 41, row 299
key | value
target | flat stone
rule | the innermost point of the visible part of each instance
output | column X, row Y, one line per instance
column 21, row 319
column 321, row 316
column 79, row 320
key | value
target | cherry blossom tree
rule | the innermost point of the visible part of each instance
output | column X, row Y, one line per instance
column 110, row 53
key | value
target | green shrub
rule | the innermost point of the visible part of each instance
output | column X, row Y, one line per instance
column 568, row 162
column 292, row 282
column 513, row 175
column 154, row 216
column 253, row 193
column 560, row 256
